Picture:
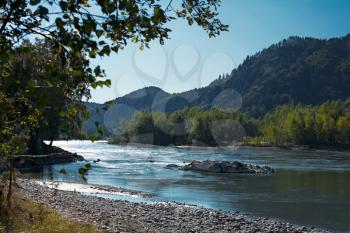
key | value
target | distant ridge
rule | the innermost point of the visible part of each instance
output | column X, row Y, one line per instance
column 296, row 70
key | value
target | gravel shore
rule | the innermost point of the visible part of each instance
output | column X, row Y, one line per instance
column 124, row 216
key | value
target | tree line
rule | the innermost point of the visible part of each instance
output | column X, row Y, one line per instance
column 190, row 126
column 327, row 124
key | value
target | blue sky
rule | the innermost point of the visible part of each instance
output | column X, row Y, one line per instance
column 191, row 60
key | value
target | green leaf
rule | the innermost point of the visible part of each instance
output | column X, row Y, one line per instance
column 88, row 166
column 63, row 171
column 157, row 12
column 34, row 2
column 107, row 82
column 92, row 54
column 99, row 33
column 94, row 138
column 63, row 5
column 48, row 83
column 106, row 50
column 158, row 15
column 62, row 113
column 59, row 23
column 77, row 74
column 42, row 11
column 110, row 103
column 97, row 71
column 82, row 171
column 100, row 131
column 116, row 48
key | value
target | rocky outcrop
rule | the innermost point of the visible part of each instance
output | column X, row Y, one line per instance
column 223, row 167
column 26, row 162
column 172, row 166
column 34, row 161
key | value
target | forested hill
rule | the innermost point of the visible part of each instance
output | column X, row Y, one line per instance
column 299, row 70
column 296, row 70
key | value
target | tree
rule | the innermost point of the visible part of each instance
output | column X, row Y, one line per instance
column 327, row 124
column 343, row 130
column 77, row 31
column 186, row 127
column 42, row 86
column 40, row 80
column 99, row 27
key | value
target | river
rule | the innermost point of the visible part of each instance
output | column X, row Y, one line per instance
column 309, row 187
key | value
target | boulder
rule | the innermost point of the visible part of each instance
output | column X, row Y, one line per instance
column 224, row 167
column 172, row 166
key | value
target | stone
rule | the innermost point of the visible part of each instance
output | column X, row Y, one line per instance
column 223, row 167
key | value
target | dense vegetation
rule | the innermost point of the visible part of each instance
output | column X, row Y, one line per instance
column 324, row 125
column 186, row 127
column 327, row 124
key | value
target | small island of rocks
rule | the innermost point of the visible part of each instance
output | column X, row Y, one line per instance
column 223, row 167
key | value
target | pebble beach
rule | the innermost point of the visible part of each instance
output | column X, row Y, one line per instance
column 124, row 216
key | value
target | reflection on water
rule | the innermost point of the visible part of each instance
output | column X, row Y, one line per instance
column 308, row 187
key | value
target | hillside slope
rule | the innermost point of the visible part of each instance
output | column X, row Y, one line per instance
column 306, row 71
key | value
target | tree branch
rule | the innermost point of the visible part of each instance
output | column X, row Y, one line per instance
column 7, row 19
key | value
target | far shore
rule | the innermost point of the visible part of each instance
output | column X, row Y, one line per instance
column 249, row 145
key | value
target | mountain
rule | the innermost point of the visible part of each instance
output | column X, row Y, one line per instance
column 296, row 70
column 122, row 109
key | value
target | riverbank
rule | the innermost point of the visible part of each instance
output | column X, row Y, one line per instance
column 297, row 147
column 123, row 216
column 30, row 162
column 27, row 216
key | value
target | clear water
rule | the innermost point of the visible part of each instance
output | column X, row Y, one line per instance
column 309, row 188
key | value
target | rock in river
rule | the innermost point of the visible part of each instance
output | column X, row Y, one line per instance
column 172, row 166
column 224, row 167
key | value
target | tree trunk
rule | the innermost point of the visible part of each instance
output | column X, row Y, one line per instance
column 35, row 145
column 10, row 198
column 10, row 188
column 51, row 141
column 2, row 192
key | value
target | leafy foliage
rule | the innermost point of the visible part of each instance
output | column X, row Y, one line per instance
column 327, row 124
column 46, row 91
column 324, row 125
column 42, row 85
column 97, row 28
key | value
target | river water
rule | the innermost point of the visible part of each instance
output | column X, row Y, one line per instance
column 308, row 188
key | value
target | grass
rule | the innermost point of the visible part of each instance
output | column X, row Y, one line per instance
column 32, row 217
